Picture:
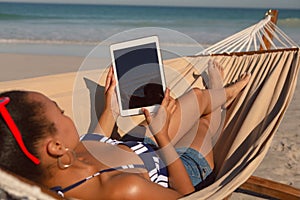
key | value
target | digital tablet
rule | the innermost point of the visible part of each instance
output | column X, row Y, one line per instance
column 139, row 74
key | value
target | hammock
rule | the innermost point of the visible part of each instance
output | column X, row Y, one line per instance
column 252, row 119
column 255, row 116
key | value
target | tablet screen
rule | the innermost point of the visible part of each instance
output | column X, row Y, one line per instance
column 139, row 73
column 139, row 76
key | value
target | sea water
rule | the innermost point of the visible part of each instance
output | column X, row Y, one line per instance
column 67, row 25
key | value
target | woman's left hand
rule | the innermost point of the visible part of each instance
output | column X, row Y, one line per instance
column 110, row 93
column 110, row 113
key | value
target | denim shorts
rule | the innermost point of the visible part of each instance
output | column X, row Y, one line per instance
column 196, row 165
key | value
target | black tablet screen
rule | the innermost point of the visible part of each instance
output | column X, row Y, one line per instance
column 139, row 76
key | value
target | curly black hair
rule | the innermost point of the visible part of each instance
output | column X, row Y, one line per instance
column 29, row 117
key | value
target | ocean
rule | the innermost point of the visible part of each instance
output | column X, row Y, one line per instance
column 86, row 25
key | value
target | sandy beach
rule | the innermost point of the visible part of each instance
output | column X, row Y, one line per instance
column 53, row 75
column 22, row 66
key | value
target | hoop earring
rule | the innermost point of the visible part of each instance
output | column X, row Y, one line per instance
column 71, row 156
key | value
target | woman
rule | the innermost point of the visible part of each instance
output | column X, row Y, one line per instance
column 96, row 167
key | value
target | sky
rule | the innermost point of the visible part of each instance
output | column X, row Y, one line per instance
column 272, row 4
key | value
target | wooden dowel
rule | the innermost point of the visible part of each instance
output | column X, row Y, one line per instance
column 270, row 188
column 274, row 17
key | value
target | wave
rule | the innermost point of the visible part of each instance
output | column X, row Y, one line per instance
column 4, row 16
column 289, row 22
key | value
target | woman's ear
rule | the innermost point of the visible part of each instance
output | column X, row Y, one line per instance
column 55, row 148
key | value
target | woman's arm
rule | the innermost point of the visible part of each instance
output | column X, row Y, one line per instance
column 178, row 177
column 107, row 119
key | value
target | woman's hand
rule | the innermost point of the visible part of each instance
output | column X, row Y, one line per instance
column 159, row 123
column 179, row 179
column 111, row 111
column 111, row 103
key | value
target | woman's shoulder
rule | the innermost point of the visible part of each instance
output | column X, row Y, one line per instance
column 125, row 186
column 133, row 186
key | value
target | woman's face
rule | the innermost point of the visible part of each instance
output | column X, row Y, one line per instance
column 65, row 128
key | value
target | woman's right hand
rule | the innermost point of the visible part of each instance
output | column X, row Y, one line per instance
column 179, row 179
column 159, row 122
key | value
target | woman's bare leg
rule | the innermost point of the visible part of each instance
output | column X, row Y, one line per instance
column 196, row 103
column 198, row 139
column 204, row 134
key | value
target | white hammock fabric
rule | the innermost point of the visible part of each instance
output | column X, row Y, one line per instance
column 20, row 189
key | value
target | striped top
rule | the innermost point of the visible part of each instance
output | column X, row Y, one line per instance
column 157, row 171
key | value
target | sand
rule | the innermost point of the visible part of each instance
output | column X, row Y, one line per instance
column 53, row 75
column 22, row 66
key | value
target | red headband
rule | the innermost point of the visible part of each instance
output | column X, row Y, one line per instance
column 14, row 130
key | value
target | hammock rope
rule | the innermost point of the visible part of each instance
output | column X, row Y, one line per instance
column 252, row 39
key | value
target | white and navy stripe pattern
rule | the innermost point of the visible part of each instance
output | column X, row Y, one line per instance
column 155, row 166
